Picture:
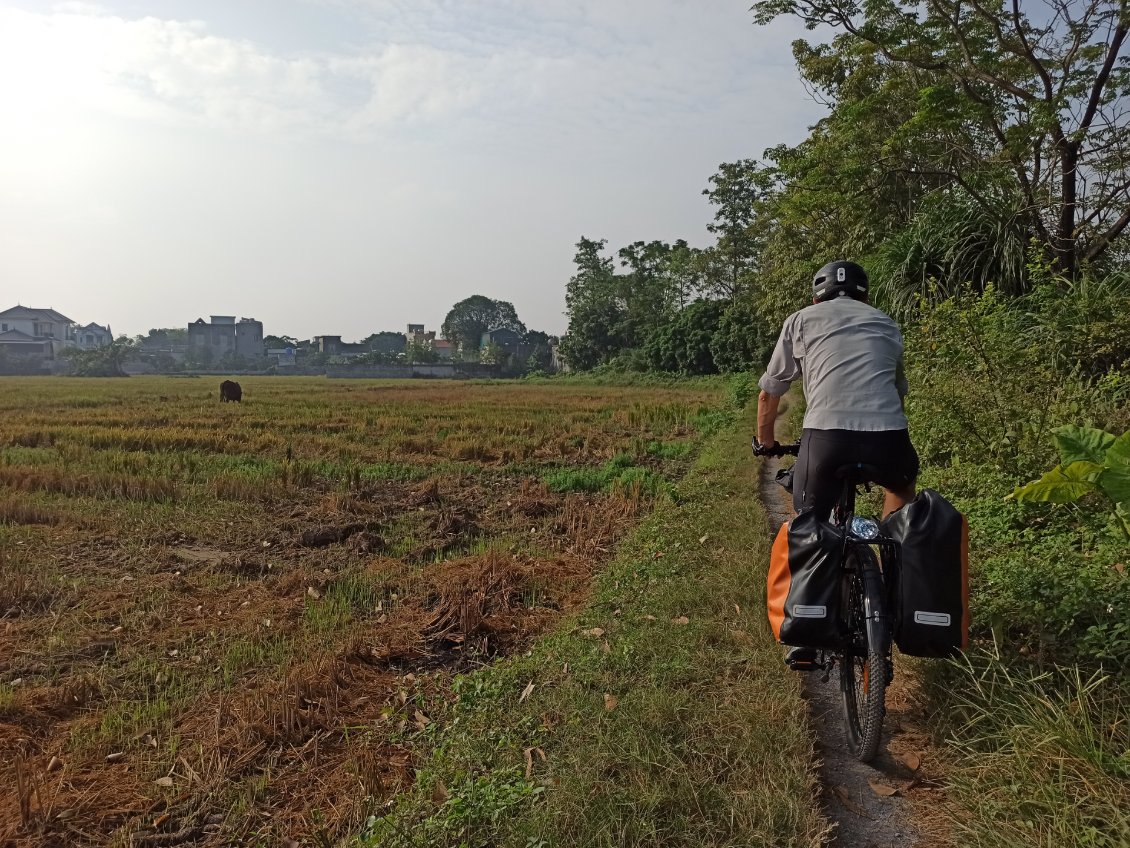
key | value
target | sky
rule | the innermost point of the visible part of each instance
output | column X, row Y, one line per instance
column 348, row 166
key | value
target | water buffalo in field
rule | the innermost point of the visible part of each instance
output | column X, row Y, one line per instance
column 230, row 390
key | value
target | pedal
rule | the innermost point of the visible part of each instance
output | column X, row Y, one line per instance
column 802, row 665
column 804, row 660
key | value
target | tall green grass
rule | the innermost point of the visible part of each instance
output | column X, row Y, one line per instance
column 1036, row 759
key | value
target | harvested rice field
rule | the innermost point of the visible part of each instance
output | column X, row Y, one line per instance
column 218, row 621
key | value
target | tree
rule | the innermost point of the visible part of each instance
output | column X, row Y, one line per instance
column 594, row 308
column 650, row 291
column 386, row 341
column 420, row 352
column 683, row 344
column 1033, row 112
column 277, row 342
column 102, row 361
column 743, row 340
column 737, row 191
column 470, row 318
column 538, row 354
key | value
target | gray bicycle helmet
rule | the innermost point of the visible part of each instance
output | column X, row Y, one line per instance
column 839, row 278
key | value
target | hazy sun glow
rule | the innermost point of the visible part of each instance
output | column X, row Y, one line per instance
column 352, row 166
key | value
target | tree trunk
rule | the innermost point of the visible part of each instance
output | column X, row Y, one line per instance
column 1066, row 247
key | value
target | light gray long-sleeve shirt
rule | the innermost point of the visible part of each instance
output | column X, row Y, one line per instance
column 850, row 356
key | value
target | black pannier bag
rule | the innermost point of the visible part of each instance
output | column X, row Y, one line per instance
column 931, row 598
column 803, row 598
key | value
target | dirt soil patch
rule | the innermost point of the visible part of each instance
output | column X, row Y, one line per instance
column 182, row 736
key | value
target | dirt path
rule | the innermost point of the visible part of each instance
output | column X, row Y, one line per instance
column 875, row 805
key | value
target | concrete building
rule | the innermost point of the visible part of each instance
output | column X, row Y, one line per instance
column 224, row 335
column 334, row 346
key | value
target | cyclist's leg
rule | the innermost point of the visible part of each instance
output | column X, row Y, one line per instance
column 898, row 461
column 896, row 498
column 814, row 481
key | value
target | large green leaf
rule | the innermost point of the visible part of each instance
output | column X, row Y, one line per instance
column 1115, row 479
column 1061, row 484
column 1082, row 443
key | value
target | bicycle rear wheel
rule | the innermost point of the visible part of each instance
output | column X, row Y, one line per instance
column 863, row 665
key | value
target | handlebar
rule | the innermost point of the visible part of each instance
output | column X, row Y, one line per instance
column 776, row 449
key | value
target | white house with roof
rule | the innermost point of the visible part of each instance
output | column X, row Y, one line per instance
column 37, row 331
column 27, row 331
column 93, row 336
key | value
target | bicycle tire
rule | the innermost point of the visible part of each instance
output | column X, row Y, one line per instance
column 863, row 666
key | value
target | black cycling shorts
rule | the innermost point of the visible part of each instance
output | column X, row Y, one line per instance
column 824, row 451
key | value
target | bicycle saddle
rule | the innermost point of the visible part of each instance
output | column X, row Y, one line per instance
column 857, row 472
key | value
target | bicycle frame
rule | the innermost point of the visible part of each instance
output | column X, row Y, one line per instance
column 881, row 583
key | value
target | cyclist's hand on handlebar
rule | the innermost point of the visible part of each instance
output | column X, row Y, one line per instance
column 766, row 450
column 775, row 449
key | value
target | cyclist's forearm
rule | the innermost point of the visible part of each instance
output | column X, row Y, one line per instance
column 767, row 406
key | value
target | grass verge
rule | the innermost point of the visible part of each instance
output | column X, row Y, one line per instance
column 1033, row 758
column 662, row 715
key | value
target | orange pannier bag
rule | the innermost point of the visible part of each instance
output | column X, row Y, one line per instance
column 803, row 591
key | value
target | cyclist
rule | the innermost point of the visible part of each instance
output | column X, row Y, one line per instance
column 849, row 355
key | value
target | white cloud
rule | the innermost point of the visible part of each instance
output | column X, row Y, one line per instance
column 430, row 60
column 404, row 155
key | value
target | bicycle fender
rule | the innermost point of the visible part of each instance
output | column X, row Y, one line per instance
column 878, row 621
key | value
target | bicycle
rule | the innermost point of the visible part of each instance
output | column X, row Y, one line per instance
column 866, row 621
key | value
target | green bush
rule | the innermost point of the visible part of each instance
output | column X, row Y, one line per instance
column 991, row 380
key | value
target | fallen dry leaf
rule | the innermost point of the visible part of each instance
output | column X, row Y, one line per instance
column 702, row 539
column 682, row 619
column 606, row 647
column 526, row 692
column 164, row 781
column 882, row 789
column 529, row 753
column 595, row 631
column 116, row 757
column 911, row 760
column 610, row 702
column 737, row 609
column 55, row 764
column 311, row 592
column 160, row 820
column 440, row 793
column 650, row 617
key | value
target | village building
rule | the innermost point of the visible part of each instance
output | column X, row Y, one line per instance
column 45, row 333
column 334, row 346
column 223, row 335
